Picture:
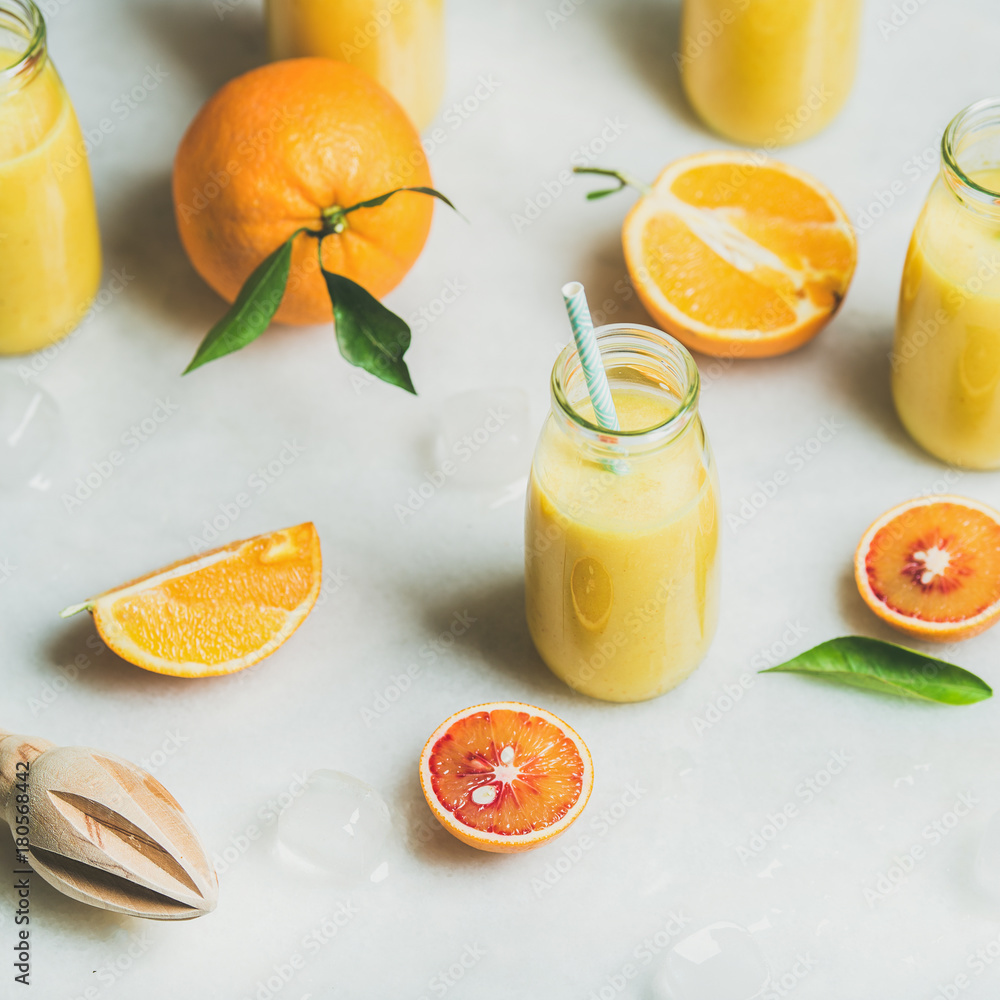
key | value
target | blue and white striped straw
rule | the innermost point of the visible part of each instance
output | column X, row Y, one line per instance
column 590, row 355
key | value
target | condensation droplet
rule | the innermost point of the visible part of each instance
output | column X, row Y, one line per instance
column 339, row 825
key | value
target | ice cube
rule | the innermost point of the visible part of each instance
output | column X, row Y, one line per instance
column 718, row 962
column 338, row 825
column 30, row 430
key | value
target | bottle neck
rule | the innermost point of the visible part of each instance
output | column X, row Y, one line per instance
column 970, row 148
column 637, row 359
column 23, row 49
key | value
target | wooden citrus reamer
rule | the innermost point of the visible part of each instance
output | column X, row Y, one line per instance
column 103, row 830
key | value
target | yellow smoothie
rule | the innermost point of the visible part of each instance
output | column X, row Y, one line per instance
column 768, row 72
column 946, row 356
column 622, row 574
column 50, row 257
column 398, row 42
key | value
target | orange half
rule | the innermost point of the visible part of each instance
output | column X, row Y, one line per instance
column 215, row 613
column 505, row 776
column 931, row 567
column 738, row 255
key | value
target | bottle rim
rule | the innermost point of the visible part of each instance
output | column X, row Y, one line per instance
column 24, row 17
column 975, row 118
column 621, row 344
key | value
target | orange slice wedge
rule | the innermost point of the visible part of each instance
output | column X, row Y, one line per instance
column 215, row 613
column 931, row 567
column 737, row 255
column 505, row 777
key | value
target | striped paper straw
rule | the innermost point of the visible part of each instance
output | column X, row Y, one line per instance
column 590, row 355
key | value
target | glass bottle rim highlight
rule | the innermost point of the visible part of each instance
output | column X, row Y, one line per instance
column 630, row 345
column 24, row 19
column 969, row 124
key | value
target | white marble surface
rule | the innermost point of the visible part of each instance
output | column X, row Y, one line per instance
column 228, row 748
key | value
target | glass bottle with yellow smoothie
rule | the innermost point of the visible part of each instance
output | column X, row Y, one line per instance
column 398, row 42
column 50, row 254
column 622, row 527
column 768, row 72
column 946, row 355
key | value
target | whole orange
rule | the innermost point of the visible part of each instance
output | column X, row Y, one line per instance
column 273, row 149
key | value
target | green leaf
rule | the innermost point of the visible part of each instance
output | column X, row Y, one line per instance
column 891, row 669
column 369, row 335
column 383, row 198
column 248, row 317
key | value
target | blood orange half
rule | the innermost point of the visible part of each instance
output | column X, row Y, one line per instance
column 931, row 567
column 505, row 777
